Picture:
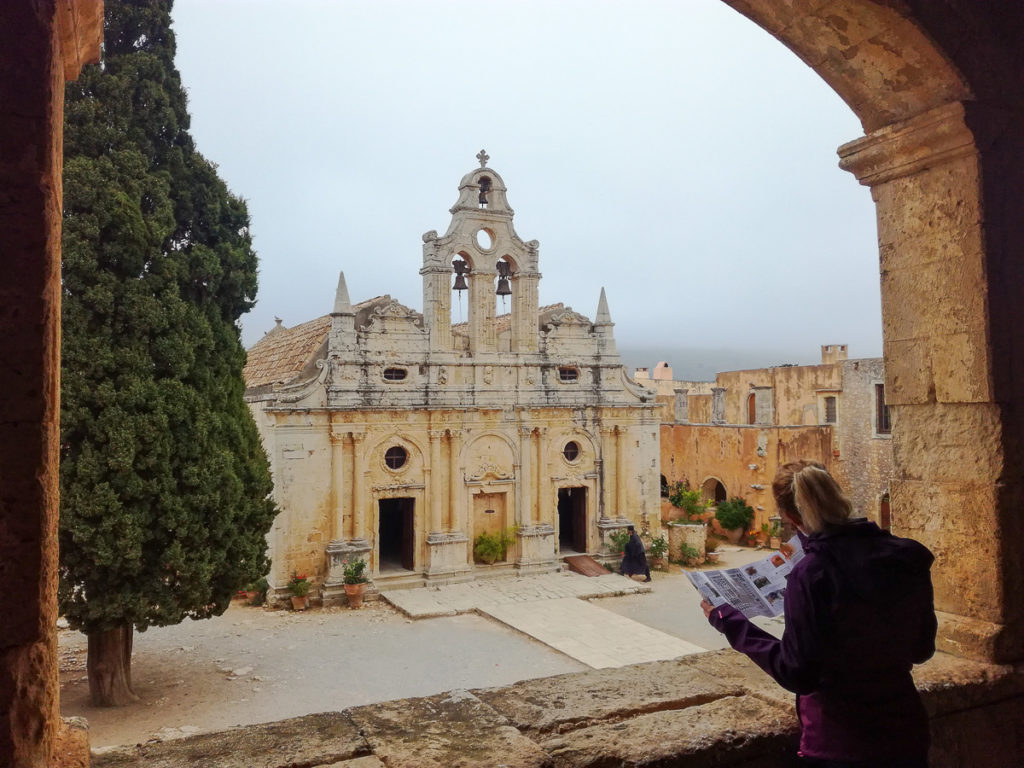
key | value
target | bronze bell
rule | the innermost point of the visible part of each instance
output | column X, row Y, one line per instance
column 503, row 287
column 460, row 282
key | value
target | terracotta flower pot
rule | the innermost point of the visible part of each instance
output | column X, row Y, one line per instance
column 354, row 592
column 299, row 603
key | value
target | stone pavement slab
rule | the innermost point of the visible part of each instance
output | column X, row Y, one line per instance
column 592, row 635
column 452, row 599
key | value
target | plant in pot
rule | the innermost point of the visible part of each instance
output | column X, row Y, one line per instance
column 658, row 550
column 298, row 587
column 617, row 541
column 256, row 591
column 773, row 530
column 689, row 500
column 711, row 553
column 489, row 548
column 734, row 515
column 355, row 580
column 688, row 555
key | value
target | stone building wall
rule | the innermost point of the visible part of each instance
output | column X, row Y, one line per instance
column 743, row 458
column 792, row 392
column 865, row 457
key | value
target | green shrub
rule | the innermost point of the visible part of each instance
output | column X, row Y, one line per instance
column 688, row 554
column 734, row 513
column 260, row 587
column 690, row 500
column 618, row 540
column 491, row 547
column 659, row 546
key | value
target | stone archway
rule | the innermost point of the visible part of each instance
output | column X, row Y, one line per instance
column 944, row 158
column 936, row 86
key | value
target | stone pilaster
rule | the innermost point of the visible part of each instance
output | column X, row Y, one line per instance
column 945, row 270
column 718, row 405
column 681, row 406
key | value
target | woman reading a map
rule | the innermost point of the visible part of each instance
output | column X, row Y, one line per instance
column 859, row 615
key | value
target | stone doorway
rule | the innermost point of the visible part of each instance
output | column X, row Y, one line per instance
column 572, row 520
column 714, row 491
column 489, row 514
column 396, row 534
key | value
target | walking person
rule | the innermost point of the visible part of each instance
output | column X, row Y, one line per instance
column 634, row 560
column 859, row 615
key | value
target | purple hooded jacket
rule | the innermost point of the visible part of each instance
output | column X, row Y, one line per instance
column 859, row 615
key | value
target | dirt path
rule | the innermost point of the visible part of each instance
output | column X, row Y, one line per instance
column 251, row 665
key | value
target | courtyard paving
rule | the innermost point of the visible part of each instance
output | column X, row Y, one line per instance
column 559, row 610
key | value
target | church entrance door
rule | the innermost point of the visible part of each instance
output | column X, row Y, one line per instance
column 572, row 519
column 489, row 514
column 396, row 534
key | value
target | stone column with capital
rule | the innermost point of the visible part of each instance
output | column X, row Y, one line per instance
column 947, row 184
column 352, row 540
column 536, row 535
column 448, row 550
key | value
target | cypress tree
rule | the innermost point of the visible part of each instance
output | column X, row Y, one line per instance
column 165, row 488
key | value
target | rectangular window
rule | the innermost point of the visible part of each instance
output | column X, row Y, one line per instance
column 830, row 409
column 565, row 373
column 883, row 426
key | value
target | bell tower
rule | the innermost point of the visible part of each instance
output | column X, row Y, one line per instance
column 482, row 237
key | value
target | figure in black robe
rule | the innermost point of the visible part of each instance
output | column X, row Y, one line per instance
column 634, row 559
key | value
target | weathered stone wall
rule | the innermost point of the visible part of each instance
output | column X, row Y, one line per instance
column 711, row 709
column 864, row 466
column 793, row 391
column 744, row 459
column 698, row 409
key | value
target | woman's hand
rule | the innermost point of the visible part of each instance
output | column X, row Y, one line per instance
column 706, row 607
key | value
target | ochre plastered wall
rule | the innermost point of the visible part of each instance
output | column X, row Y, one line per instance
column 790, row 390
column 42, row 44
column 744, row 459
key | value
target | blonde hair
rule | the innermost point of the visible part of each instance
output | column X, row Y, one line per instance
column 806, row 488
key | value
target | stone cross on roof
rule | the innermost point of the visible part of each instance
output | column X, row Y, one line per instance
column 483, row 157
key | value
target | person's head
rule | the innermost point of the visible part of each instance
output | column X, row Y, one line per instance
column 809, row 497
column 631, row 529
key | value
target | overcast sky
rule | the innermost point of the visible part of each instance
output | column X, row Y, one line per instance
column 672, row 152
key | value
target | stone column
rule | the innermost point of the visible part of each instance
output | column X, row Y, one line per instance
column 524, row 477
column 455, row 518
column 948, row 185
column 338, row 487
column 607, row 469
column 44, row 43
column 434, row 481
column 358, row 490
column 621, row 502
column 543, row 484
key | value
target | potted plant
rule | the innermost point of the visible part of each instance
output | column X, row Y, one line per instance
column 658, row 550
column 734, row 515
column 773, row 530
column 689, row 500
column 617, row 541
column 354, row 576
column 489, row 548
column 711, row 554
column 298, row 586
column 256, row 591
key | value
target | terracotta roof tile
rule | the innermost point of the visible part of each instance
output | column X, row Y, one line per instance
column 282, row 353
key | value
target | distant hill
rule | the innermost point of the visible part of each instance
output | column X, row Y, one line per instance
column 696, row 364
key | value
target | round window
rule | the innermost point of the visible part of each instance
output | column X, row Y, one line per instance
column 571, row 451
column 395, row 457
column 484, row 239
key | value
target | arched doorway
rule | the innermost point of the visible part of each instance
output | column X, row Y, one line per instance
column 713, row 490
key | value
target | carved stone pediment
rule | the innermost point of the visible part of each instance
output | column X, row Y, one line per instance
column 568, row 317
column 395, row 309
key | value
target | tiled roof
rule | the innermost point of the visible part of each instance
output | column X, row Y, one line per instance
column 282, row 353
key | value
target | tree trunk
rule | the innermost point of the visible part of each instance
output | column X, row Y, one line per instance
column 110, row 667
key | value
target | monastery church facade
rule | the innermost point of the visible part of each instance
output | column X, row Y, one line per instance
column 400, row 437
